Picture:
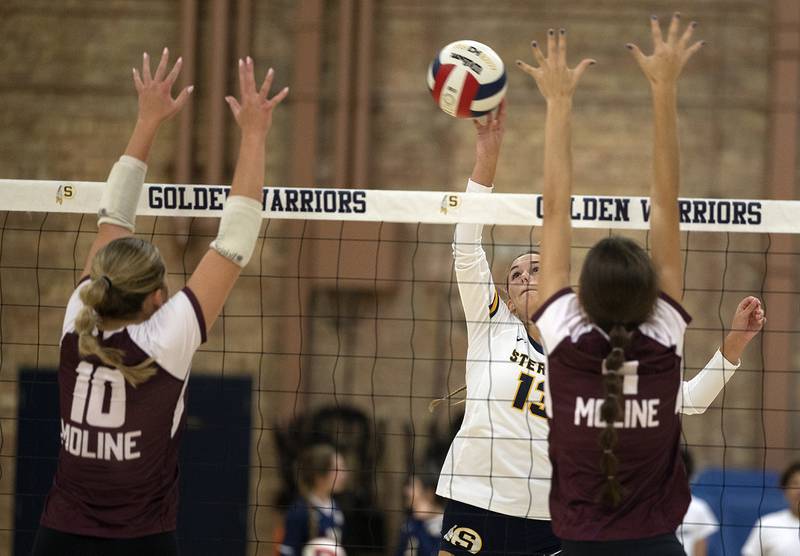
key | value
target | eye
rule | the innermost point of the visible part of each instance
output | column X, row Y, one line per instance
column 534, row 269
column 515, row 275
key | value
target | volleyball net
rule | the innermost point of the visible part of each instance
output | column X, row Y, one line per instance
column 347, row 323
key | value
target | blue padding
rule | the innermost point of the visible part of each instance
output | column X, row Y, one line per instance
column 738, row 498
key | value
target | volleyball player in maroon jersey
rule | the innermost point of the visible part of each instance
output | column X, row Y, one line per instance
column 614, row 349
column 126, row 346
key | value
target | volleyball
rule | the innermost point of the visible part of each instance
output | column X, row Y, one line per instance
column 323, row 546
column 467, row 79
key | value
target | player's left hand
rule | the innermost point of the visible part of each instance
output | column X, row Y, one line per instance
column 749, row 318
column 553, row 77
column 156, row 104
column 664, row 66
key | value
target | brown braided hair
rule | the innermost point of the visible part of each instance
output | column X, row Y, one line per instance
column 618, row 289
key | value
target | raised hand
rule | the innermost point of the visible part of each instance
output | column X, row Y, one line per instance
column 253, row 112
column 664, row 66
column 749, row 318
column 156, row 104
column 490, row 132
column 553, row 77
column 747, row 322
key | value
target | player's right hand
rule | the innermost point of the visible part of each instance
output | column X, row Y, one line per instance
column 156, row 104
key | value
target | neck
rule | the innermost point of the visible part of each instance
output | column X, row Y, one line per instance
column 533, row 332
column 116, row 324
column 322, row 497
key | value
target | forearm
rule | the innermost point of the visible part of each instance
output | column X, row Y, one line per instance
column 248, row 178
column 484, row 170
column 702, row 390
column 557, row 194
column 142, row 139
column 666, row 158
column 664, row 220
column 558, row 159
column 733, row 346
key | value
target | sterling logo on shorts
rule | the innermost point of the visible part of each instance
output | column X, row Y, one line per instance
column 465, row 538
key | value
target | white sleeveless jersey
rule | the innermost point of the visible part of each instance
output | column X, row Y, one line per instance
column 498, row 460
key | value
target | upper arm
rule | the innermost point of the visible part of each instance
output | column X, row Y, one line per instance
column 106, row 233
column 173, row 333
column 212, row 282
column 556, row 318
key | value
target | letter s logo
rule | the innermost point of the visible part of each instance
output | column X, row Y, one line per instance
column 466, row 538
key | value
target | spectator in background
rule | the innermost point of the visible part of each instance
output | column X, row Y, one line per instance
column 778, row 534
column 422, row 530
column 314, row 515
column 699, row 523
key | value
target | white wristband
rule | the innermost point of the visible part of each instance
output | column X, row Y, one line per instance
column 238, row 229
column 121, row 193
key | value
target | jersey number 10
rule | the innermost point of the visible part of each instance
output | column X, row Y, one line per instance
column 100, row 394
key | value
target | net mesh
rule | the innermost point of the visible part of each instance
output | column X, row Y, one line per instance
column 348, row 323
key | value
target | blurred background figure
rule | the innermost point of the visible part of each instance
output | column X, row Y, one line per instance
column 314, row 514
column 778, row 533
column 420, row 534
column 699, row 523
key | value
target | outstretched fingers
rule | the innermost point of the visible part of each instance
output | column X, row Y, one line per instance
column 183, row 97
column 234, row 106
column 137, row 81
column 552, row 44
column 161, row 70
column 674, row 25
column 174, row 73
column 146, row 77
column 530, row 70
column 265, row 86
column 562, row 47
column 580, row 68
column 277, row 99
column 689, row 52
column 687, row 34
column 655, row 28
column 537, row 53
column 637, row 53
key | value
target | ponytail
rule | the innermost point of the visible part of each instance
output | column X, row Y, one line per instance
column 610, row 412
column 92, row 296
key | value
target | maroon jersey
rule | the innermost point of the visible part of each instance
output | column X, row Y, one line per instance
column 118, row 465
column 655, row 486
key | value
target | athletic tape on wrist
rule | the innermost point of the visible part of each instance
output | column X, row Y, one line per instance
column 238, row 229
column 121, row 193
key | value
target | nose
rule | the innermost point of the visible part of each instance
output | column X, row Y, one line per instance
column 525, row 277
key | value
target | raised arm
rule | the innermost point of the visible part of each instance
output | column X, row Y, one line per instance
column 214, row 277
column 557, row 84
column 698, row 393
column 117, row 213
column 662, row 70
column 475, row 283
